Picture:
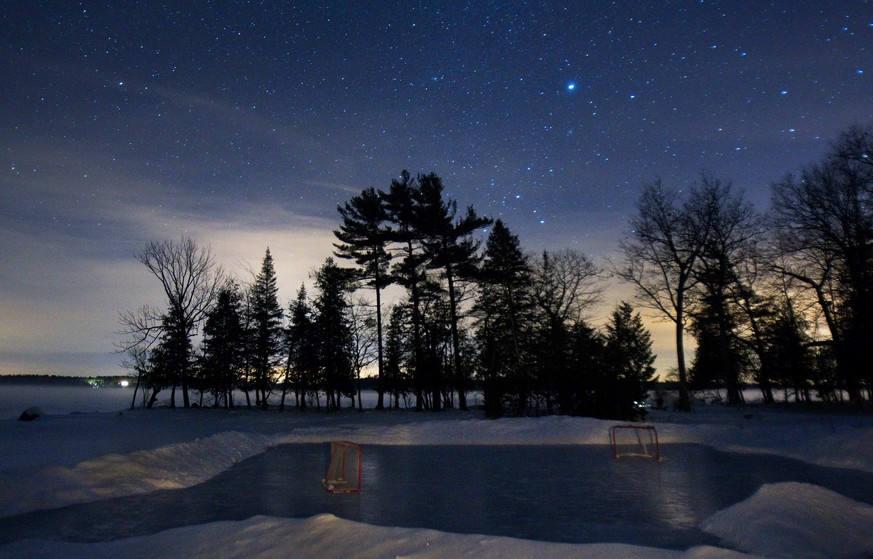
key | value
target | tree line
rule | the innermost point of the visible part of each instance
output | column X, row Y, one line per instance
column 779, row 299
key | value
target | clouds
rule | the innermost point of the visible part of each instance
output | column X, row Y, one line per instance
column 245, row 126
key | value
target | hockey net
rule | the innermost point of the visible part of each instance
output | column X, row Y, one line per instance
column 631, row 440
column 344, row 468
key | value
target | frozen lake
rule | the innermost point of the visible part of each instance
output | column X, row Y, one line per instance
column 553, row 493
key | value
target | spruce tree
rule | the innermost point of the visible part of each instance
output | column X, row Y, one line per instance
column 266, row 330
column 302, row 346
column 504, row 313
column 223, row 344
column 334, row 336
column 630, row 361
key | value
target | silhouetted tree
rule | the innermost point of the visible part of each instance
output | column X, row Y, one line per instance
column 727, row 231
column 565, row 285
column 265, row 330
column 400, row 204
column 223, row 344
column 659, row 260
column 504, row 312
column 364, row 238
column 398, row 354
column 333, row 331
column 824, row 225
column 190, row 279
column 630, row 362
column 303, row 347
column 448, row 245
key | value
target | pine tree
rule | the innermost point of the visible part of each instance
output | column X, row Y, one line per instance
column 223, row 344
column 266, row 325
column 448, row 245
column 630, row 360
column 503, row 310
column 302, row 345
column 334, row 336
column 364, row 238
column 400, row 205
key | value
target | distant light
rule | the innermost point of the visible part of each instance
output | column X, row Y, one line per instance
column 783, row 92
column 633, row 95
column 859, row 71
column 125, row 383
column 571, row 86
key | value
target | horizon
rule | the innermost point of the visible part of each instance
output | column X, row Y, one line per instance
column 244, row 128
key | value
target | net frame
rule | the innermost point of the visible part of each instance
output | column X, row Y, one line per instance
column 344, row 468
column 642, row 442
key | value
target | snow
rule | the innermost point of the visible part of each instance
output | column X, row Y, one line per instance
column 58, row 460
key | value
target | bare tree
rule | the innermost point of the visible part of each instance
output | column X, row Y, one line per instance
column 365, row 338
column 824, row 228
column 566, row 284
column 190, row 279
column 659, row 260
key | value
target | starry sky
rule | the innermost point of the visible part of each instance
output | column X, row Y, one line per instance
column 245, row 124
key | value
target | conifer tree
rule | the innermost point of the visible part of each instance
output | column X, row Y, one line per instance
column 504, row 312
column 302, row 346
column 448, row 245
column 266, row 330
column 334, row 336
column 400, row 204
column 630, row 360
column 363, row 237
column 223, row 344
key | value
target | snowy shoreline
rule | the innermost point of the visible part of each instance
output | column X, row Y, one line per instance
column 65, row 459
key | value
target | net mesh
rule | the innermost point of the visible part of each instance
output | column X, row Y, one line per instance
column 635, row 441
column 344, row 468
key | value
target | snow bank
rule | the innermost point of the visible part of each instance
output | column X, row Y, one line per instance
column 59, row 460
column 326, row 536
column 116, row 475
column 796, row 520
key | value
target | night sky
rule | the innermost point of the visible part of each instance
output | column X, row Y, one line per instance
column 244, row 124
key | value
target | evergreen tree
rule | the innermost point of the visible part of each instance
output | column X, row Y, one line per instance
column 400, row 205
column 223, row 344
column 565, row 284
column 448, row 245
column 398, row 354
column 589, row 386
column 171, row 359
column 266, row 330
column 630, row 362
column 364, row 238
column 302, row 345
column 504, row 314
column 334, row 336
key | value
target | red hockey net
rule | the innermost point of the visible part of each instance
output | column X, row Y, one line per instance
column 344, row 468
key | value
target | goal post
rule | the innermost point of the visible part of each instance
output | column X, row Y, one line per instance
column 630, row 440
column 343, row 468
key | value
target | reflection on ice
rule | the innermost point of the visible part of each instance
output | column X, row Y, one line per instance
column 553, row 493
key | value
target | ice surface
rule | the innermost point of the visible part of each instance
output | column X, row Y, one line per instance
column 75, row 458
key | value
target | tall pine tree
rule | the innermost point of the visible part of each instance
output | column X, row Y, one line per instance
column 266, row 330
column 223, row 344
column 504, row 312
column 448, row 245
column 364, row 238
